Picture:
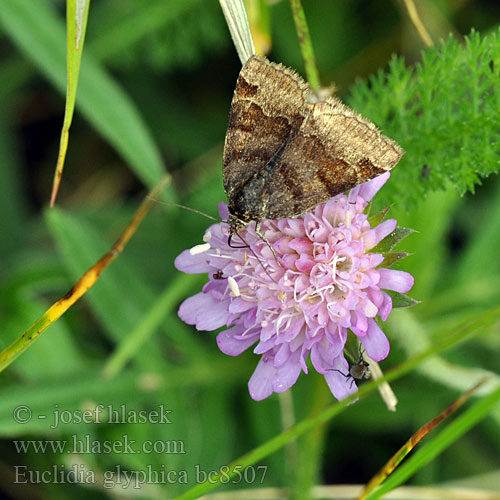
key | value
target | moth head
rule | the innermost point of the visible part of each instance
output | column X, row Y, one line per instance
column 235, row 224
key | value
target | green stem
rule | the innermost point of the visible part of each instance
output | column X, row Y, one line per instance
column 305, row 44
column 310, row 445
column 148, row 324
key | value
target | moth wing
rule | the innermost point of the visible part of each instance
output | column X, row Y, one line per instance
column 356, row 139
column 265, row 112
column 335, row 150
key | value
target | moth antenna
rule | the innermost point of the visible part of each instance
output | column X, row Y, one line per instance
column 186, row 208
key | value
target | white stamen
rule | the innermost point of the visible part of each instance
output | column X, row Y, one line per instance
column 333, row 263
column 247, row 330
column 235, row 289
column 287, row 317
column 219, row 256
column 322, row 289
column 199, row 249
column 207, row 236
column 348, row 218
column 269, row 311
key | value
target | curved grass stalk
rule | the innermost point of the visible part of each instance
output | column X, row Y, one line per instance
column 88, row 279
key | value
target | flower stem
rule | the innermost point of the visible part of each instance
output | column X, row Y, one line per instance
column 149, row 323
column 305, row 44
column 288, row 421
column 310, row 445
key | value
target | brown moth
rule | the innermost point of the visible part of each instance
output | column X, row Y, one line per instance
column 286, row 152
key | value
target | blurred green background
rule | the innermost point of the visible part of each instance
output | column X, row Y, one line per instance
column 169, row 66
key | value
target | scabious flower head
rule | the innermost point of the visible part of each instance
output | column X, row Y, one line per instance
column 326, row 282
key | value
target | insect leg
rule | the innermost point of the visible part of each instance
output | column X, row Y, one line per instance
column 265, row 240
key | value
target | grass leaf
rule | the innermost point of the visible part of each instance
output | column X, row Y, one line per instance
column 36, row 29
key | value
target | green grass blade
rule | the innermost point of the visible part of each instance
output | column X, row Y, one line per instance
column 77, row 13
column 140, row 20
column 443, row 440
column 305, row 43
column 35, row 28
column 123, row 302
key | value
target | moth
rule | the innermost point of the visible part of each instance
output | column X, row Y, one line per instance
column 286, row 151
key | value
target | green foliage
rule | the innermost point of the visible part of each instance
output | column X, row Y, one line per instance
column 34, row 27
column 157, row 34
column 443, row 111
column 430, row 450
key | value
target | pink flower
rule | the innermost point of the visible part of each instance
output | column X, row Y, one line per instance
column 328, row 282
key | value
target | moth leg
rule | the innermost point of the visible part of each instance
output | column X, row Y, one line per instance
column 254, row 254
column 235, row 246
column 265, row 240
column 346, row 375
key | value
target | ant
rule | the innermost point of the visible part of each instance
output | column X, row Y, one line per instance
column 218, row 275
column 358, row 371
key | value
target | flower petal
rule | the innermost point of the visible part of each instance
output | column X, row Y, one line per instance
column 192, row 264
column 399, row 281
column 386, row 307
column 239, row 305
column 260, row 384
column 339, row 382
column 203, row 311
column 288, row 373
column 377, row 234
column 223, row 211
column 231, row 343
column 369, row 189
column 375, row 342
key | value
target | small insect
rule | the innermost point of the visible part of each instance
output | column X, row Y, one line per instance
column 359, row 371
column 426, row 171
column 218, row 275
